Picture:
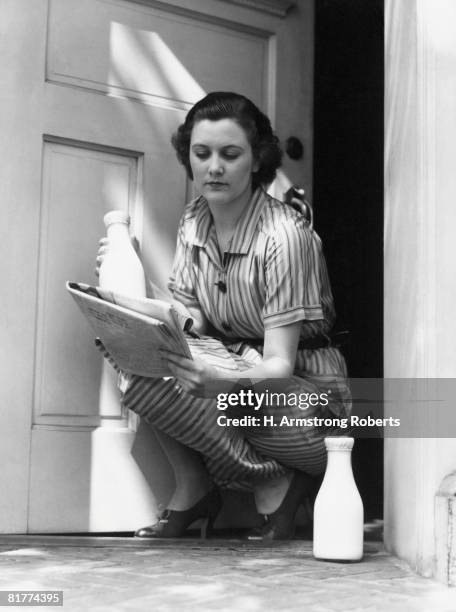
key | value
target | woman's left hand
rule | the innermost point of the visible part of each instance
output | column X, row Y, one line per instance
column 194, row 376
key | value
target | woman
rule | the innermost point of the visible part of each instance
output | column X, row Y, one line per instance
column 251, row 273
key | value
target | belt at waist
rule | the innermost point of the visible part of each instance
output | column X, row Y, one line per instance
column 336, row 339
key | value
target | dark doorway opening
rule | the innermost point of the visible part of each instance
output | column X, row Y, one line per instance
column 348, row 193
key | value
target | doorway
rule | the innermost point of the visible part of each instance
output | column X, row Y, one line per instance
column 348, row 194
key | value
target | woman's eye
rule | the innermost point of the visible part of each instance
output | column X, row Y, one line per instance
column 228, row 154
column 231, row 154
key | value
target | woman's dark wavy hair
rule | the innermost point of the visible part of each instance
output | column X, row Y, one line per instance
column 227, row 105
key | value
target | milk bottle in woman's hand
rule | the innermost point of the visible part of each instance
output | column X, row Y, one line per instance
column 121, row 270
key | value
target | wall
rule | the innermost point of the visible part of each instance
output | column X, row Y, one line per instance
column 420, row 254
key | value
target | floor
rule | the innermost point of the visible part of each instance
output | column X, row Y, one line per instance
column 101, row 574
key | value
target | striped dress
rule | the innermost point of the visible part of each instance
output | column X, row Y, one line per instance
column 272, row 274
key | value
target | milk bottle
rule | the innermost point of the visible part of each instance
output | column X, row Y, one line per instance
column 121, row 270
column 338, row 510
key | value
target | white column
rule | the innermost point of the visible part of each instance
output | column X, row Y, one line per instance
column 420, row 253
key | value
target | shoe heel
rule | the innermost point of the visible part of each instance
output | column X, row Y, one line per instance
column 206, row 527
column 213, row 508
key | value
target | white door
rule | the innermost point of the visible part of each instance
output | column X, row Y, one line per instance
column 91, row 92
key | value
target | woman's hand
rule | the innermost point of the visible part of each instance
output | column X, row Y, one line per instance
column 103, row 248
column 195, row 376
column 199, row 378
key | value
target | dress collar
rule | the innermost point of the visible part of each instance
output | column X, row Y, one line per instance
column 203, row 224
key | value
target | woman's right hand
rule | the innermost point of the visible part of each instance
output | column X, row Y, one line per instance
column 102, row 251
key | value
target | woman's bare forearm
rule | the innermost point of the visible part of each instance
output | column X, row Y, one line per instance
column 273, row 367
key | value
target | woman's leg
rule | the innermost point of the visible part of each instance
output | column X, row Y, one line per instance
column 192, row 423
column 191, row 477
column 278, row 501
column 269, row 494
column 194, row 497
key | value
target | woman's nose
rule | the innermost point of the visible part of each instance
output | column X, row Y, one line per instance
column 215, row 165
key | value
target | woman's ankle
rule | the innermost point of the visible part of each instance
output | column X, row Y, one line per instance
column 270, row 493
column 184, row 497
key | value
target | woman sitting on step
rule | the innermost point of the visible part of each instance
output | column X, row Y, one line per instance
column 251, row 272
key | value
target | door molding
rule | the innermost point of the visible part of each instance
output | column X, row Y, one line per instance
column 273, row 7
column 231, row 19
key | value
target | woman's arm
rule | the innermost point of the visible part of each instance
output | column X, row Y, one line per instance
column 201, row 379
column 279, row 353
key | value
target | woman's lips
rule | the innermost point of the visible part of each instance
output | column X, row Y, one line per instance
column 215, row 184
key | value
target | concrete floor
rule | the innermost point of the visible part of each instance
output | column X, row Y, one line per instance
column 101, row 574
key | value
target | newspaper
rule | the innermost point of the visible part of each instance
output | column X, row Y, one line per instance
column 133, row 330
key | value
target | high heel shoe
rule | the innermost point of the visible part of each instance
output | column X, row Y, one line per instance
column 280, row 525
column 173, row 523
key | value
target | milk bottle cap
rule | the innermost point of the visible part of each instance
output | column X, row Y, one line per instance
column 339, row 443
column 116, row 216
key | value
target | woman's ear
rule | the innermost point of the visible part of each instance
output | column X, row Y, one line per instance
column 255, row 165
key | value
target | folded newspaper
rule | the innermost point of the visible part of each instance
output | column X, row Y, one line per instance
column 133, row 330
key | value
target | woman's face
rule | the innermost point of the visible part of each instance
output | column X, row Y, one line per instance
column 222, row 161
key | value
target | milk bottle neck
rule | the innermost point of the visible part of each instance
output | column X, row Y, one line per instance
column 118, row 231
column 339, row 463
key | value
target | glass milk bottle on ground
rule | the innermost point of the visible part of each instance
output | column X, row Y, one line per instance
column 338, row 512
column 121, row 270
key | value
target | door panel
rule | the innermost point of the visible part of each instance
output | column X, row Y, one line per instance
column 79, row 186
column 141, row 52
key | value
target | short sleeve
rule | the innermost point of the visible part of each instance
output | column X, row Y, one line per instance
column 293, row 259
column 181, row 282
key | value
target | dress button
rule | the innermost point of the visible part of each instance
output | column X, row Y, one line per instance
column 222, row 286
column 226, row 327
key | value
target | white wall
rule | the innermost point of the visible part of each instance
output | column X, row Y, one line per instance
column 420, row 253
